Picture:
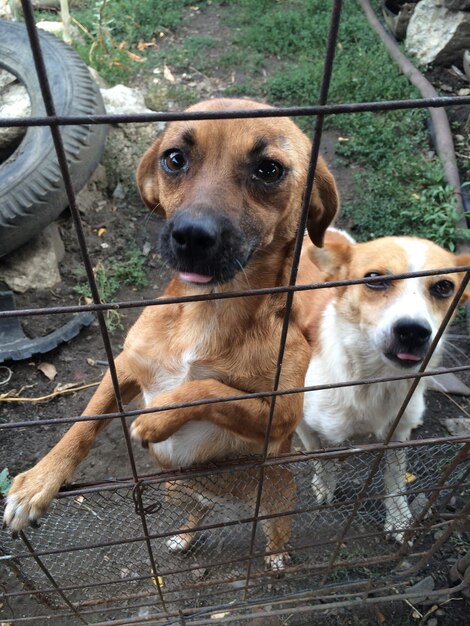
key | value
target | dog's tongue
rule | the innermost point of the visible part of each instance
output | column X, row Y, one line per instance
column 405, row 356
column 188, row 277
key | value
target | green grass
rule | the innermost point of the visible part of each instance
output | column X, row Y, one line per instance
column 112, row 29
column 399, row 188
column 110, row 275
column 279, row 46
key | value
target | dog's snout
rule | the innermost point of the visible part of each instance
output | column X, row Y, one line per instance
column 410, row 331
column 194, row 235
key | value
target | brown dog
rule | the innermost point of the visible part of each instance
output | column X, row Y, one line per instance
column 231, row 191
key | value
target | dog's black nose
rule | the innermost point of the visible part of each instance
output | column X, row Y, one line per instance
column 194, row 236
column 408, row 331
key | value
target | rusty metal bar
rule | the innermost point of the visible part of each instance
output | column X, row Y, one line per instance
column 129, row 304
column 243, row 396
column 62, row 159
column 171, row 116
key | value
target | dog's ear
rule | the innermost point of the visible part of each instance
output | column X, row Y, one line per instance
column 460, row 261
column 332, row 259
column 324, row 203
column 146, row 177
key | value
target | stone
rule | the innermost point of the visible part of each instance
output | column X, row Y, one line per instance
column 457, row 5
column 437, row 35
column 14, row 102
column 90, row 196
column 457, row 426
column 422, row 586
column 35, row 265
column 122, row 99
column 448, row 383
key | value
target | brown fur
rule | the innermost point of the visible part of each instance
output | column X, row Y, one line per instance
column 235, row 341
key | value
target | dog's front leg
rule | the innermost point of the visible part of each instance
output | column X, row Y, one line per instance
column 398, row 515
column 246, row 418
column 32, row 491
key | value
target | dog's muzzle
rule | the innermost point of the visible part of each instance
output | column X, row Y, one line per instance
column 204, row 248
column 409, row 342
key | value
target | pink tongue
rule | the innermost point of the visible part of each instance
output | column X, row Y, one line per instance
column 194, row 278
column 408, row 357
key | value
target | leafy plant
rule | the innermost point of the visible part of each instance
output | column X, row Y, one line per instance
column 5, row 481
column 110, row 275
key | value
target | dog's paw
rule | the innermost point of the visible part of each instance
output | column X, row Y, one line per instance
column 322, row 490
column 149, row 429
column 28, row 499
column 395, row 528
column 179, row 544
column 277, row 562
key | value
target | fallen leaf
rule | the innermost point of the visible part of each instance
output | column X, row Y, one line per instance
column 219, row 615
column 101, row 231
column 379, row 616
column 146, row 44
column 343, row 139
column 161, row 582
column 122, row 45
column 168, row 74
column 135, row 57
column 409, row 478
column 91, row 362
column 64, row 386
column 48, row 370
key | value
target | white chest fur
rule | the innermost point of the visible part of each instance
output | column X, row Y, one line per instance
column 196, row 442
column 337, row 415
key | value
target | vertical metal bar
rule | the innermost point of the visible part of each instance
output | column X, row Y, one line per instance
column 328, row 67
column 62, row 158
column 47, row 573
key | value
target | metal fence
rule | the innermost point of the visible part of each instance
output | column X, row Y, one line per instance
column 100, row 556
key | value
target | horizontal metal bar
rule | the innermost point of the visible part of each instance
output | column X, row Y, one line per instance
column 162, row 301
column 171, row 116
column 243, row 396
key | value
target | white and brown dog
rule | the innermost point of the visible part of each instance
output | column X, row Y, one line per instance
column 370, row 330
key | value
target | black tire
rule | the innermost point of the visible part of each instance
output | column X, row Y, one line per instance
column 32, row 191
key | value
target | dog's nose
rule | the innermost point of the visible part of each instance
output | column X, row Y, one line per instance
column 194, row 235
column 410, row 331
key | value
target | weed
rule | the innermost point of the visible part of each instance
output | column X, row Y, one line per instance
column 5, row 481
column 110, row 275
column 461, row 541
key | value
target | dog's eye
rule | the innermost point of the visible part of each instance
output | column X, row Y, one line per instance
column 376, row 284
column 173, row 160
column 268, row 171
column 442, row 289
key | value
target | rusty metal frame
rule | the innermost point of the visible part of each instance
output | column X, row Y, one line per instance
column 331, row 594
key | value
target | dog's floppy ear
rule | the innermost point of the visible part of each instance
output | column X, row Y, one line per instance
column 331, row 259
column 324, row 203
column 461, row 260
column 146, row 177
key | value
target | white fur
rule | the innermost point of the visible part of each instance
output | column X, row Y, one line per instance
column 346, row 352
column 189, row 443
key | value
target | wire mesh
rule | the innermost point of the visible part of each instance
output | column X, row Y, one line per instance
column 110, row 553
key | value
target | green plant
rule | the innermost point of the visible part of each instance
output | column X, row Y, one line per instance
column 113, row 273
column 5, row 481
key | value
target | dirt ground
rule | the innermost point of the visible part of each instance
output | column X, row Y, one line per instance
column 82, row 361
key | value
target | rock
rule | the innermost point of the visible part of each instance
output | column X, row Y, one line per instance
column 448, row 383
column 102, row 84
column 418, row 503
column 90, row 196
column 57, row 28
column 14, row 102
column 422, row 586
column 457, row 5
column 457, row 426
column 466, row 64
column 122, row 99
column 35, row 265
column 437, row 35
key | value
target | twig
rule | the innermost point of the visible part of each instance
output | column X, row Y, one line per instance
column 50, row 395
